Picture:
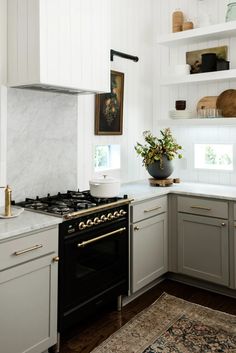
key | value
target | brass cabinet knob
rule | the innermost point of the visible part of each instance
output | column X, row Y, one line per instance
column 136, row 228
column 56, row 259
column 223, row 224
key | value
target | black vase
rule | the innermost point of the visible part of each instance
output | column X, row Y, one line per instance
column 209, row 61
column 157, row 172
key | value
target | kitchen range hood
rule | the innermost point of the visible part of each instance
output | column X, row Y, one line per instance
column 62, row 48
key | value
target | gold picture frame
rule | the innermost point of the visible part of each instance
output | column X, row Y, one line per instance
column 109, row 107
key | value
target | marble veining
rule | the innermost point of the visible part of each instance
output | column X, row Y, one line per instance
column 141, row 190
column 42, row 143
column 27, row 222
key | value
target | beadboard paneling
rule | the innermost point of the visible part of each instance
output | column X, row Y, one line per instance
column 132, row 33
column 165, row 97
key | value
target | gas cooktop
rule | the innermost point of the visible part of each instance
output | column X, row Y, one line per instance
column 69, row 203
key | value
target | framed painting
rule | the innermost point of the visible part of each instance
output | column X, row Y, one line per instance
column 109, row 107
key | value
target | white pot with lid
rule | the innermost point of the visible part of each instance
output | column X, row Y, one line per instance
column 104, row 187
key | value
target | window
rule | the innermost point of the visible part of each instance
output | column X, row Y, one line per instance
column 213, row 156
column 106, row 157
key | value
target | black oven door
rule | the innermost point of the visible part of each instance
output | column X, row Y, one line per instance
column 94, row 262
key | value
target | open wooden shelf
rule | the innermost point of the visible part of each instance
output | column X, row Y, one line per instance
column 197, row 122
column 202, row 77
column 218, row 31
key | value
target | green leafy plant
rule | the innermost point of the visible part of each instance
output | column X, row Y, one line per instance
column 155, row 148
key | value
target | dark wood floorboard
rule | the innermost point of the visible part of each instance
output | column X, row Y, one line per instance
column 87, row 336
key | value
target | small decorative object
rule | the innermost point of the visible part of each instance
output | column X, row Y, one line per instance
column 222, row 65
column 208, row 62
column 158, row 153
column 177, row 21
column 209, row 113
column 203, row 18
column 187, row 25
column 180, row 105
column 109, row 108
column 194, row 58
column 231, row 12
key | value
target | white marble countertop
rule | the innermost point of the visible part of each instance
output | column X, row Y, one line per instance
column 26, row 222
column 141, row 190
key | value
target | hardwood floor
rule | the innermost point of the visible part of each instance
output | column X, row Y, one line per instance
column 86, row 337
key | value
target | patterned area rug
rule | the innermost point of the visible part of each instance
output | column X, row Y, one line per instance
column 173, row 325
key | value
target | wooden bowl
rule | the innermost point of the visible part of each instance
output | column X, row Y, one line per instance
column 226, row 102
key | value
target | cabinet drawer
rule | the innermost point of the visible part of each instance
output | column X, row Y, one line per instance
column 204, row 207
column 149, row 208
column 17, row 251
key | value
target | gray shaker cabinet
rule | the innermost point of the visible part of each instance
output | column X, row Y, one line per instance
column 149, row 242
column 28, row 292
column 203, row 248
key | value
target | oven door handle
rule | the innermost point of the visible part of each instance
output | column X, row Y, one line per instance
column 87, row 242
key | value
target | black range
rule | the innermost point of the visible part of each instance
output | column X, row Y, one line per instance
column 93, row 251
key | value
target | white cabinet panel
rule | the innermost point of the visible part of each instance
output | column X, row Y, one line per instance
column 38, row 244
column 149, row 250
column 203, row 207
column 59, row 44
column 149, row 208
column 203, row 248
column 28, row 293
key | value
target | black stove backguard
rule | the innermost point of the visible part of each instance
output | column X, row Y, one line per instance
column 93, row 267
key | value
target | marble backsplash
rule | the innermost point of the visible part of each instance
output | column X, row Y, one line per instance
column 42, row 143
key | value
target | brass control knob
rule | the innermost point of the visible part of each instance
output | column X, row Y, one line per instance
column 82, row 225
column 110, row 216
column 96, row 221
column 116, row 214
column 103, row 218
column 123, row 212
column 89, row 223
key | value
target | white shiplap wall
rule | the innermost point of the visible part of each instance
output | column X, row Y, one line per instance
column 164, row 97
column 132, row 33
column 3, row 96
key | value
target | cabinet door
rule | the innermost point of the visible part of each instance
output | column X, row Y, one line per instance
column 28, row 302
column 203, row 248
column 149, row 251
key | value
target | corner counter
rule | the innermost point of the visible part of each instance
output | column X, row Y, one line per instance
column 141, row 190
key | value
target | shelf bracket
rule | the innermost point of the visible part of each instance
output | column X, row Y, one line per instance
column 122, row 55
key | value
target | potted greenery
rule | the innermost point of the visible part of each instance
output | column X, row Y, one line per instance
column 158, row 153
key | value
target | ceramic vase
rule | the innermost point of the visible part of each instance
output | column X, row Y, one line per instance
column 157, row 172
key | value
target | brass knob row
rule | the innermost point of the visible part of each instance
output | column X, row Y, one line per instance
column 96, row 221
